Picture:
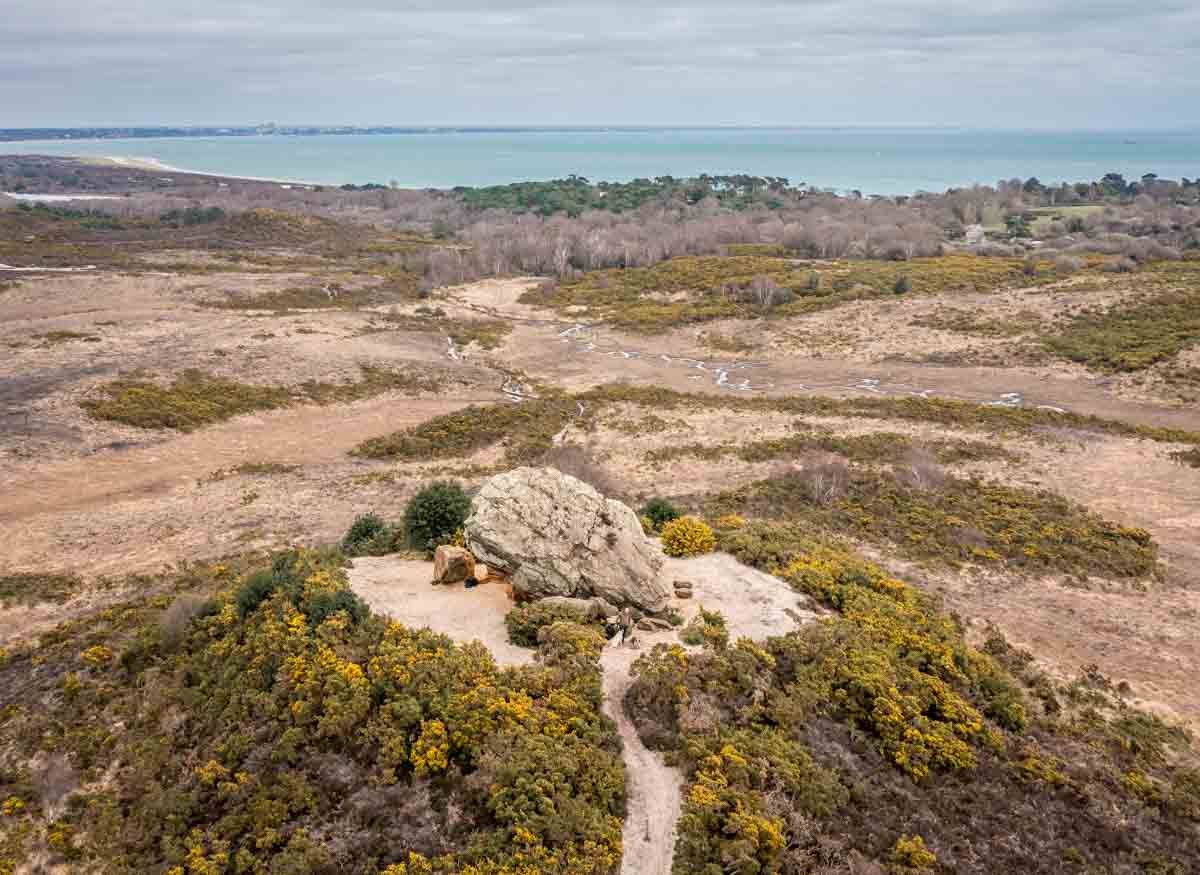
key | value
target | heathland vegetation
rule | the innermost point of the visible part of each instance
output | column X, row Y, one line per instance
column 246, row 711
column 269, row 722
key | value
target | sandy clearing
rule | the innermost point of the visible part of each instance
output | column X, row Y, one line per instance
column 755, row 604
column 302, row 435
column 402, row 589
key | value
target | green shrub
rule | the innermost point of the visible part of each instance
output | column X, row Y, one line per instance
column 688, row 536
column 706, row 628
column 435, row 514
column 369, row 535
column 31, row 588
column 524, row 622
column 660, row 512
column 256, row 590
column 324, row 605
column 903, row 285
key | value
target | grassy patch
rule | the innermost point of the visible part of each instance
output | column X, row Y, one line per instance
column 253, row 469
column 972, row 322
column 878, row 447
column 196, row 398
column 527, row 431
column 1044, row 216
column 702, row 288
column 726, row 343
column 30, row 589
column 528, row 428
column 1133, row 336
column 316, row 297
column 953, row 520
column 57, row 338
column 950, row 414
column 487, row 333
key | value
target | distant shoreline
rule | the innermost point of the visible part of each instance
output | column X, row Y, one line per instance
column 892, row 162
column 154, row 165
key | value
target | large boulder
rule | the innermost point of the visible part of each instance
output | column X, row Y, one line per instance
column 557, row 536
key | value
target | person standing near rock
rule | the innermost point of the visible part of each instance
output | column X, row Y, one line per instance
column 626, row 630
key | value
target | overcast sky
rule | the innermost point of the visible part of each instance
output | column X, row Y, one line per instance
column 994, row 63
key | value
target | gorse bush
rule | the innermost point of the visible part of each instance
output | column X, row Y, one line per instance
column 660, row 511
column 885, row 702
column 707, row 627
column 910, row 853
column 1133, row 336
column 687, row 536
column 435, row 514
column 369, row 535
column 289, row 710
column 955, row 520
column 524, row 622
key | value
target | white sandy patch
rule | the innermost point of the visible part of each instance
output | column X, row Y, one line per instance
column 402, row 589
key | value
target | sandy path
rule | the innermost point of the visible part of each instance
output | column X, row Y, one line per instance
column 654, row 790
column 302, row 435
column 755, row 605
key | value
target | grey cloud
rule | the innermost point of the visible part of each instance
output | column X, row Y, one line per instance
column 1099, row 63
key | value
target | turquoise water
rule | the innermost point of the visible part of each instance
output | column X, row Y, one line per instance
column 873, row 160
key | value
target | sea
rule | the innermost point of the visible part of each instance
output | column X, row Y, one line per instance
column 887, row 161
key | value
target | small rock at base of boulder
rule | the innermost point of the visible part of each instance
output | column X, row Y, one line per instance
column 683, row 589
column 452, row 565
column 585, row 609
column 654, row 624
column 481, row 572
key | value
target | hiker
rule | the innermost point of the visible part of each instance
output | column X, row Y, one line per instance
column 625, row 630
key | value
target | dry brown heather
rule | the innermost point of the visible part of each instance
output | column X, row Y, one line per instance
column 223, row 386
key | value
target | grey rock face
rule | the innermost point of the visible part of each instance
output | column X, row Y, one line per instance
column 587, row 609
column 557, row 536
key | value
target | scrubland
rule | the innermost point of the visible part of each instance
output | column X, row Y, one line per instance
column 976, row 466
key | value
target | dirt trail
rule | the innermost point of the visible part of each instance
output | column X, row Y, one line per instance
column 755, row 605
column 303, row 435
column 655, row 790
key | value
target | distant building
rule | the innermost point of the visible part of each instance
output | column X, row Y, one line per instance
column 975, row 235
